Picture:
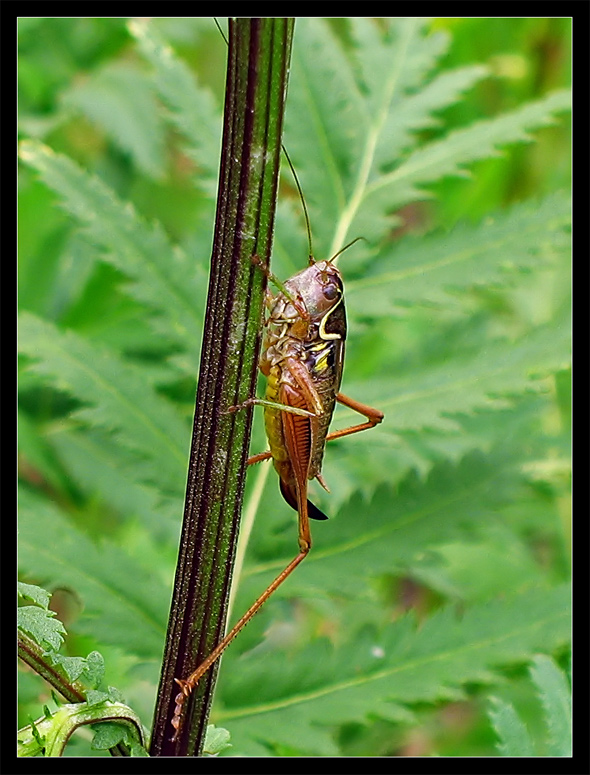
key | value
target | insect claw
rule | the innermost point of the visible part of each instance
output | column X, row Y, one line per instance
column 185, row 689
column 258, row 261
column 236, row 408
column 184, row 686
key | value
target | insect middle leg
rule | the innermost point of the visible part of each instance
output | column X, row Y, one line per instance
column 273, row 405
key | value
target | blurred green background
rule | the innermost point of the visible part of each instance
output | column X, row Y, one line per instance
column 71, row 75
column 57, row 57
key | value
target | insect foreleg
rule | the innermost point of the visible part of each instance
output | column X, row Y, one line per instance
column 296, row 302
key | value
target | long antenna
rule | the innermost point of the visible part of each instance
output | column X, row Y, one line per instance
column 220, row 30
column 350, row 244
column 307, row 224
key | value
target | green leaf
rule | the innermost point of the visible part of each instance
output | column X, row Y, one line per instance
column 428, row 398
column 95, row 670
column 396, row 528
column 474, row 569
column 41, row 625
column 193, row 109
column 120, row 100
column 119, row 398
column 99, row 464
column 298, row 702
column 450, row 155
column 162, row 275
column 339, row 137
column 32, row 592
column 73, row 667
column 438, row 269
column 555, row 695
column 108, row 735
column 124, row 603
column 515, row 739
column 217, row 740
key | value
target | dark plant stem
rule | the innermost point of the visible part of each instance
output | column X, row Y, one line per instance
column 259, row 52
column 33, row 655
column 73, row 691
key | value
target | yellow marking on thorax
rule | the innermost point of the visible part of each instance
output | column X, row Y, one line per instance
column 322, row 332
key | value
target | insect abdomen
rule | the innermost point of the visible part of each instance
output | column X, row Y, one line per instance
column 272, row 417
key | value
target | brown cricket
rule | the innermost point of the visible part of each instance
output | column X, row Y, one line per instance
column 302, row 360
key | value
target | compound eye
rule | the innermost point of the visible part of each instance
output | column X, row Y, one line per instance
column 331, row 291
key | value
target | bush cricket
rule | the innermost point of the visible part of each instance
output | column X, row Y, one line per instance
column 302, row 359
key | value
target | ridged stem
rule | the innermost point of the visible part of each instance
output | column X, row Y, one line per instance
column 258, row 63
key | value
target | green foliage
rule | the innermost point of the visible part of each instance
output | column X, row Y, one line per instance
column 554, row 695
column 301, row 701
column 459, row 328
column 49, row 735
column 40, row 638
column 37, row 620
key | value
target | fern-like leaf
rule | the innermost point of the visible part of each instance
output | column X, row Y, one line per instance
column 297, row 702
column 124, row 603
column 193, row 109
column 426, row 399
column 348, row 176
column 555, row 696
column 98, row 464
column 438, row 269
column 119, row 398
column 514, row 736
column 515, row 739
column 448, row 157
column 120, row 99
column 163, row 277
column 391, row 530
